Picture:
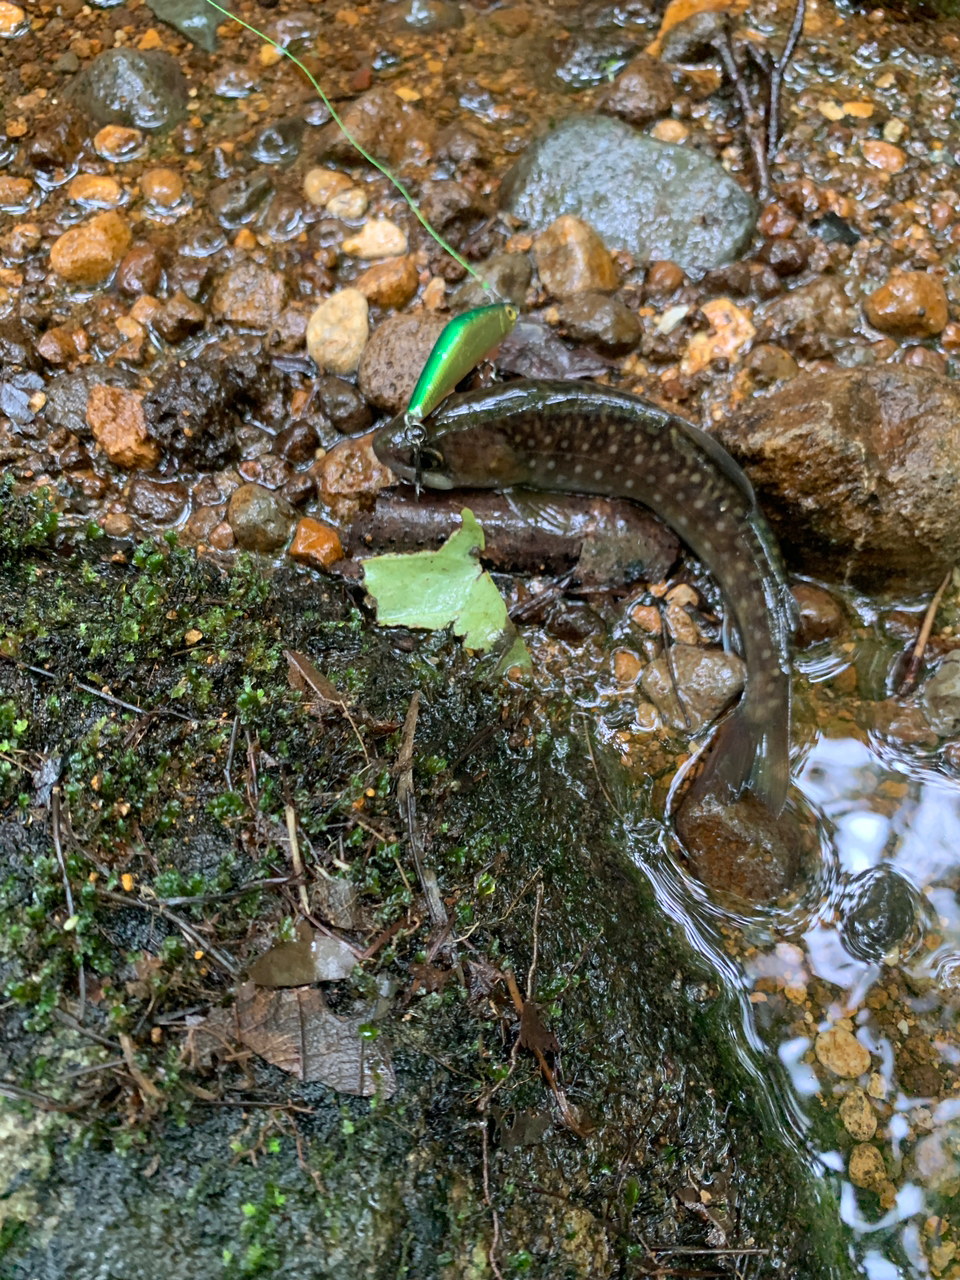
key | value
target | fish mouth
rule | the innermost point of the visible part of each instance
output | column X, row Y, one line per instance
column 425, row 479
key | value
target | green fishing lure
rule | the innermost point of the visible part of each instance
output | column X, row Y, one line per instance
column 462, row 345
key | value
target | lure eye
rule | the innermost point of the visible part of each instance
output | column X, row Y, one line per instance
column 512, row 313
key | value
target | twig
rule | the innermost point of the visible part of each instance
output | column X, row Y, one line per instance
column 776, row 78
column 198, row 940
column 593, row 761
column 916, row 658
column 532, row 972
column 408, row 807
column 495, row 1242
column 291, row 816
column 199, row 899
column 724, row 47
column 68, row 893
column 228, row 769
column 38, row 1099
column 106, row 697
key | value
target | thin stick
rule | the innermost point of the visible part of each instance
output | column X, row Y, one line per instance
column 916, row 658
column 198, row 940
column 68, row 894
column 495, row 1242
column 228, row 770
column 356, row 145
column 105, row 697
column 532, row 972
column 776, row 78
column 290, row 814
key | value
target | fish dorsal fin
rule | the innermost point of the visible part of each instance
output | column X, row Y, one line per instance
column 718, row 454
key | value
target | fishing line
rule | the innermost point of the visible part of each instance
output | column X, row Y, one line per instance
column 357, row 147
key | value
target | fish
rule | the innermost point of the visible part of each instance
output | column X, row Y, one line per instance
column 584, row 438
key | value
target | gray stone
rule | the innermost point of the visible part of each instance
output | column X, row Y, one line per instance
column 654, row 199
column 195, row 19
column 941, row 696
column 124, row 86
column 260, row 520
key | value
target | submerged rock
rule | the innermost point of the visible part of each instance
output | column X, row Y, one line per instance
column 127, row 86
column 881, row 912
column 656, row 200
column 858, row 471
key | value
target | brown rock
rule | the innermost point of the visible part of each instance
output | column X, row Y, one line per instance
column 315, row 544
column 178, row 318
column 394, row 357
column 821, row 616
column 250, row 295
column 571, row 258
column 58, row 345
column 95, row 189
column 119, row 143
column 841, row 1052
column 858, row 471
column 883, row 155
column 201, row 524
column 740, row 848
column 393, row 131
column 602, row 321
column 351, row 468
column 866, row 1168
column 116, row 418
column 222, row 537
column 858, row 1116
column 642, row 92
column 88, row 254
column 155, row 501
column 707, row 680
column 260, row 520
column 663, row 279
column 162, row 187
column 809, row 316
column 298, row 442
column 769, row 363
column 140, row 271
column 912, row 304
column 390, row 285
column 337, row 332
column 15, row 193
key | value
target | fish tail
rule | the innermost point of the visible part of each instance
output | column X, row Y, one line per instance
column 746, row 754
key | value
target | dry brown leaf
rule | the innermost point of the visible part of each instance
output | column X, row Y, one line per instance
column 533, row 1034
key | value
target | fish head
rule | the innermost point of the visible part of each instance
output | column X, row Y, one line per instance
column 445, row 455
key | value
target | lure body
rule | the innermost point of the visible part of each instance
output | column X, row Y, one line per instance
column 591, row 439
column 463, row 344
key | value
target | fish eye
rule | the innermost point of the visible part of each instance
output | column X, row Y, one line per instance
column 430, row 459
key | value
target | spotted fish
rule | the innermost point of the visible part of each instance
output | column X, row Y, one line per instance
column 583, row 438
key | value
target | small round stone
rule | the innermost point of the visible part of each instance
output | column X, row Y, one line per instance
column 119, row 143
column 912, row 304
column 95, row 189
column 571, row 258
column 858, row 1116
column 88, row 254
column 13, row 20
column 162, row 187
column 883, row 155
column 249, row 294
column 315, row 544
column 321, row 185
column 15, row 193
column 337, row 332
column 866, row 1168
column 119, row 426
column 378, row 238
column 260, row 520
column 351, row 203
column 391, row 284
column 840, row 1052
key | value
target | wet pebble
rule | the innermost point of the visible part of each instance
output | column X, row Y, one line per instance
column 941, row 696
column 178, row 318
column 571, row 258
column 858, row 1116
column 162, row 187
column 239, row 200
column 343, row 405
column 321, row 185
column 201, row 524
column 911, row 304
column 707, row 679
column 601, row 321
column 278, row 143
column 880, row 911
column 89, row 253
column 883, row 155
column 298, row 442
column 337, row 332
column 233, row 82
column 642, row 92
column 13, row 20
column 390, row 285
column 95, row 189
column 429, row 16
column 250, row 295
column 119, row 144
column 266, row 469
column 315, row 544
column 769, row 363
column 350, row 469
column 378, row 238
column 738, row 847
column 879, row 507
column 866, row 1168
column 140, row 271
column 117, row 420
column 811, row 316
column 820, row 617
column 260, row 520
column 145, row 89
column 155, row 501
column 394, row 358
column 393, row 131
column 656, row 200
column 840, row 1052
column 507, row 274
column 350, row 204
column 58, row 345
column 16, row 194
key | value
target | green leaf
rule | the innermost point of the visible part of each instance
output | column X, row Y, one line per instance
column 436, row 589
